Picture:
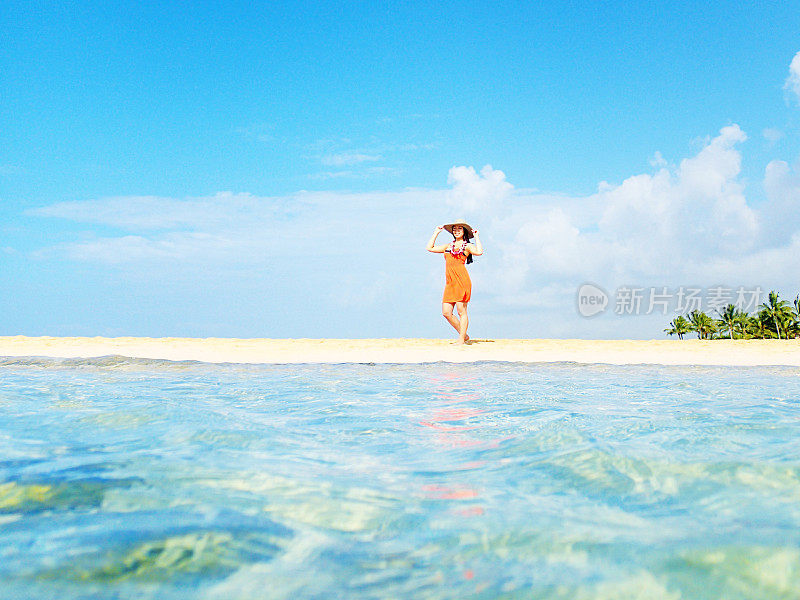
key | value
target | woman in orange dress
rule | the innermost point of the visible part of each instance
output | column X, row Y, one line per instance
column 458, row 287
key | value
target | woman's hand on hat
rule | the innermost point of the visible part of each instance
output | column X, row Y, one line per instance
column 474, row 232
column 439, row 227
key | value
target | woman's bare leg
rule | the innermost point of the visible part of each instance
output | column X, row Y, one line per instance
column 447, row 313
column 461, row 307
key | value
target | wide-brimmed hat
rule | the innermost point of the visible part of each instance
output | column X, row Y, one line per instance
column 463, row 223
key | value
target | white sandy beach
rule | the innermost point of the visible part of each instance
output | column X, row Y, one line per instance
column 282, row 351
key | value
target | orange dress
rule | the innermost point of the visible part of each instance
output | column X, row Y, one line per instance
column 458, row 286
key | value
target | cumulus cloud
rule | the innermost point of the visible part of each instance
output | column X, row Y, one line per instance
column 472, row 190
column 677, row 226
column 672, row 224
column 793, row 81
column 780, row 216
column 687, row 223
column 698, row 207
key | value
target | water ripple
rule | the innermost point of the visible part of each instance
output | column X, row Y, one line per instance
column 135, row 478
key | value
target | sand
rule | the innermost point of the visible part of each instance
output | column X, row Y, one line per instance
column 283, row 351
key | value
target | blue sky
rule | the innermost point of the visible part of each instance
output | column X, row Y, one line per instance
column 275, row 170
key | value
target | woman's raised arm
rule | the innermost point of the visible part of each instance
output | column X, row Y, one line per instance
column 430, row 247
column 477, row 248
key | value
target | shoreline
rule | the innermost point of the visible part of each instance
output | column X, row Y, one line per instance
column 412, row 350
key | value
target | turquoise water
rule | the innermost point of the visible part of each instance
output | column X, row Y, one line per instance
column 146, row 479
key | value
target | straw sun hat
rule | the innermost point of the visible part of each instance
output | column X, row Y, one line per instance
column 463, row 223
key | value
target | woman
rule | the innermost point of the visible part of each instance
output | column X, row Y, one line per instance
column 458, row 287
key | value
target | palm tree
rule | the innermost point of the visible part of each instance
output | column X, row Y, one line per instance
column 792, row 323
column 679, row 326
column 775, row 318
column 761, row 325
column 795, row 315
column 702, row 324
column 777, row 309
column 741, row 325
column 727, row 318
column 792, row 329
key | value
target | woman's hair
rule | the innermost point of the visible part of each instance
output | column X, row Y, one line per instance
column 466, row 237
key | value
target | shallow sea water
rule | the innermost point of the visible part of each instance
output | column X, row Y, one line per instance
column 126, row 478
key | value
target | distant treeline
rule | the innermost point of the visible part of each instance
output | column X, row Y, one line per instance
column 775, row 319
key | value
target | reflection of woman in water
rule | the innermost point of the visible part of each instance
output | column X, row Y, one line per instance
column 458, row 287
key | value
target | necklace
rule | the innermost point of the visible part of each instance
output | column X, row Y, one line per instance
column 459, row 251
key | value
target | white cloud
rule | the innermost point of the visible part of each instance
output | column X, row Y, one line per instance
column 240, row 228
column 360, row 174
column 687, row 223
column 134, row 248
column 472, row 190
column 793, row 80
column 136, row 213
column 772, row 135
column 348, row 158
column 356, row 294
column 675, row 227
column 780, row 216
column 345, row 159
column 670, row 225
column 657, row 160
column 322, row 175
column 774, row 267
